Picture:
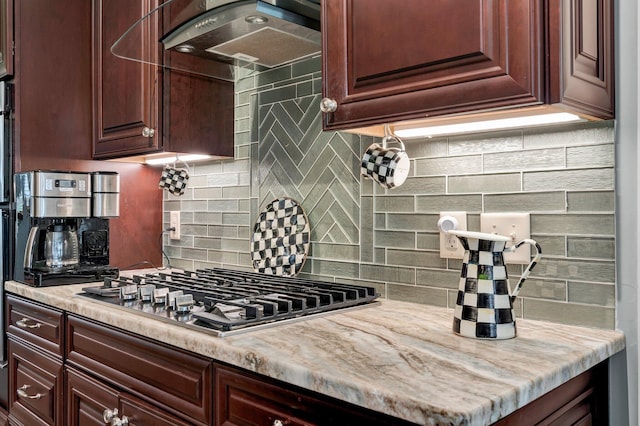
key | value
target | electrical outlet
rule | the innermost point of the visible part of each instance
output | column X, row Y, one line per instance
column 174, row 222
column 517, row 226
column 450, row 247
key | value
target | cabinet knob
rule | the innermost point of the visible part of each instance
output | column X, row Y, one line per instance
column 23, row 324
column 148, row 132
column 22, row 393
column 110, row 417
column 277, row 422
column 328, row 105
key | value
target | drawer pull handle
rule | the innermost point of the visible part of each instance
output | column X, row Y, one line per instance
column 22, row 393
column 277, row 422
column 23, row 324
column 110, row 417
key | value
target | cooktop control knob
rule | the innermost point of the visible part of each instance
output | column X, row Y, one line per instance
column 129, row 292
column 183, row 303
column 160, row 296
column 145, row 292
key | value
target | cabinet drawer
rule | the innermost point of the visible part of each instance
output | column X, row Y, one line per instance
column 244, row 398
column 35, row 386
column 150, row 371
column 87, row 400
column 36, row 324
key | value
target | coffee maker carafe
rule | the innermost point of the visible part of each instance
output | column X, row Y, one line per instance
column 62, row 226
column 61, row 245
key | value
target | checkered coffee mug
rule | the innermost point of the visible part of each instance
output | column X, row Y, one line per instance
column 387, row 166
column 174, row 180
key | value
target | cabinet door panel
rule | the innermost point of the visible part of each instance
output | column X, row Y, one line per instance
column 382, row 60
column 87, row 399
column 582, row 71
column 244, row 398
column 198, row 114
column 35, row 386
column 6, row 38
column 429, row 46
column 141, row 414
column 126, row 92
column 148, row 370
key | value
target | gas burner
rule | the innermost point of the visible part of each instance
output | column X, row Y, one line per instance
column 226, row 301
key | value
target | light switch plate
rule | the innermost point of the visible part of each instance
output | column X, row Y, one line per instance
column 517, row 226
column 450, row 247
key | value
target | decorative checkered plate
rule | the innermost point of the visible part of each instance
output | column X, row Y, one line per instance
column 280, row 239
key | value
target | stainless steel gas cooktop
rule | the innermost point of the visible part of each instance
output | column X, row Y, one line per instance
column 224, row 302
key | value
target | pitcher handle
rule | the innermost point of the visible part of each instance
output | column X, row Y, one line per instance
column 527, row 271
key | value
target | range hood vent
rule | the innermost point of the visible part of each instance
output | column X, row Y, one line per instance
column 250, row 34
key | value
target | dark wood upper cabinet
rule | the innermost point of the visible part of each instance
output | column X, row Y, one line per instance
column 581, row 56
column 6, row 38
column 385, row 62
column 126, row 93
column 141, row 108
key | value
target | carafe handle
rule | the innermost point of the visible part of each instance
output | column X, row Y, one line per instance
column 527, row 271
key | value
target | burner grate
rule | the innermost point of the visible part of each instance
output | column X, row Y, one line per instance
column 227, row 300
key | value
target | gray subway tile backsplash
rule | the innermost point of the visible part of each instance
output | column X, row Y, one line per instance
column 591, row 201
column 364, row 234
column 591, row 247
column 535, row 159
column 549, row 201
column 570, row 180
column 505, row 182
column 460, row 165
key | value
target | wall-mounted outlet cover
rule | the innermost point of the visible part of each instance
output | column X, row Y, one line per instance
column 450, row 247
column 517, row 226
column 174, row 223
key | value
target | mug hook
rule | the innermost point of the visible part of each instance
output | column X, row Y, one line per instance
column 390, row 137
column 178, row 159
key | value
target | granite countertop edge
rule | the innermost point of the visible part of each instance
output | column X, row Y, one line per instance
column 397, row 358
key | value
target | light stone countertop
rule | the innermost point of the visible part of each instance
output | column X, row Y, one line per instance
column 397, row 358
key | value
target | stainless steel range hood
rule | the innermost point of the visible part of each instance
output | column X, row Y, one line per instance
column 215, row 37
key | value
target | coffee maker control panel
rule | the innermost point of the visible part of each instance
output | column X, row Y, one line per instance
column 59, row 194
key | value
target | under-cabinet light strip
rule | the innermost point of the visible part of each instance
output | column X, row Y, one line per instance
column 174, row 158
column 479, row 126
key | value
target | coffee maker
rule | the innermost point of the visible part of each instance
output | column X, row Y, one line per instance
column 62, row 226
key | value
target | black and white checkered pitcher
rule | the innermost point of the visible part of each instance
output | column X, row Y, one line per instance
column 484, row 306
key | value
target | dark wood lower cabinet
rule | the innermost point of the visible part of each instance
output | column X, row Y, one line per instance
column 581, row 401
column 244, row 399
column 144, row 372
column 106, row 370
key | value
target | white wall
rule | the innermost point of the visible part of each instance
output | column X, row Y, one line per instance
column 624, row 368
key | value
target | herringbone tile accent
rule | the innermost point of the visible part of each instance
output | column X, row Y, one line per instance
column 318, row 169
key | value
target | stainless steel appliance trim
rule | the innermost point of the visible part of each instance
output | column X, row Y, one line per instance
column 28, row 253
column 105, row 182
column 60, row 207
column 5, row 147
column 228, row 31
column 106, row 205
